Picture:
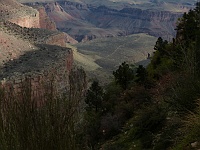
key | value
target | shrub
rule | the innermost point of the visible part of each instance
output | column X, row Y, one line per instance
column 184, row 94
column 45, row 122
column 190, row 130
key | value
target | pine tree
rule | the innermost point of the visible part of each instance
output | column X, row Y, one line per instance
column 94, row 96
column 124, row 75
column 141, row 75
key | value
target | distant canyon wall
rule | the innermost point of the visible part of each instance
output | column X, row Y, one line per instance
column 86, row 22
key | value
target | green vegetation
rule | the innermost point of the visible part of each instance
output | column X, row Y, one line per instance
column 124, row 75
column 94, row 96
column 155, row 107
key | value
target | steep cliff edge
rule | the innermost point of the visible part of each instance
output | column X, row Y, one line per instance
column 28, row 49
column 25, row 16
column 32, row 53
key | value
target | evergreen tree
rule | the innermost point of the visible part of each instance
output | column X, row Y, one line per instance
column 94, row 96
column 189, row 26
column 141, row 75
column 124, row 75
column 160, row 46
column 188, row 37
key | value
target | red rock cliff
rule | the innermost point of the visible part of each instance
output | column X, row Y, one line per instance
column 45, row 21
column 60, row 40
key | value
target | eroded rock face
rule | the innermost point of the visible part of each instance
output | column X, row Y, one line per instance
column 86, row 22
column 17, row 13
column 25, row 16
column 32, row 53
column 38, row 68
column 60, row 40
column 31, row 48
column 27, row 21
column 45, row 21
column 132, row 20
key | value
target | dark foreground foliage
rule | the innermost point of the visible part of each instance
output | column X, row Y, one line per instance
column 155, row 107
column 44, row 122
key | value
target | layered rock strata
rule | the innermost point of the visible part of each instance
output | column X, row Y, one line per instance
column 85, row 22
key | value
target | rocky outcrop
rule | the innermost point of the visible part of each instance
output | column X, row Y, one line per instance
column 60, row 39
column 45, row 21
column 37, row 42
column 84, row 38
column 27, row 21
column 17, row 13
column 32, row 50
column 25, row 16
column 37, row 69
column 56, row 12
column 39, row 19
column 33, row 59
column 30, row 17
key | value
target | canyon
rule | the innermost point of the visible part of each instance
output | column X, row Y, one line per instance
column 85, row 21
column 32, row 48
column 38, row 25
column 94, row 21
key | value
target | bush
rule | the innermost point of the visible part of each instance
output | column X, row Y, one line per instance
column 148, row 122
column 184, row 94
column 45, row 122
column 190, row 130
